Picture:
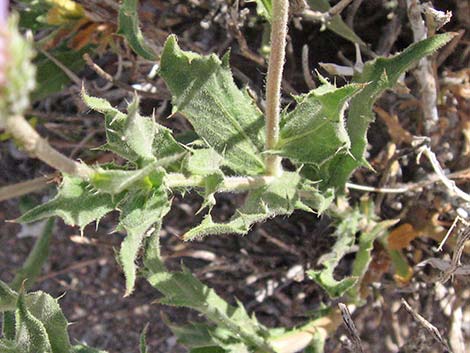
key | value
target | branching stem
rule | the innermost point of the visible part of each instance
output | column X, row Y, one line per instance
column 38, row 147
column 274, row 79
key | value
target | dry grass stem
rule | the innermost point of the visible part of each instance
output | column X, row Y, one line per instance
column 351, row 327
column 426, row 325
column 26, row 187
column 425, row 71
column 449, row 184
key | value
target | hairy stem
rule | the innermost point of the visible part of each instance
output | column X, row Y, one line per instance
column 38, row 147
column 230, row 184
column 273, row 85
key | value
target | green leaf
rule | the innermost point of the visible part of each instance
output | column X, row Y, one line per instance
column 143, row 340
column 264, row 8
column 363, row 255
column 280, row 197
column 37, row 257
column 402, row 268
column 31, row 335
column 140, row 131
column 41, row 327
column 203, row 162
column 206, row 162
column 48, row 312
column 8, row 325
column 128, row 27
column 51, row 78
column 115, row 181
column 199, row 335
column 8, row 346
column 134, row 137
column 222, row 115
column 336, row 24
column 317, row 200
column 8, row 297
column 139, row 212
column 314, row 131
column 75, row 204
column 380, row 74
column 183, row 289
column 207, row 350
column 345, row 234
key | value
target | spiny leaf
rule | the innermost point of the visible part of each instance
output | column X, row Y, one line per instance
column 140, row 131
column 204, row 91
column 203, row 162
column 31, row 335
column 336, row 24
column 363, row 255
column 134, row 137
column 47, row 310
column 8, row 297
column 41, row 327
column 139, row 212
column 183, row 289
column 206, row 162
column 280, row 197
column 345, row 234
column 314, row 131
column 212, row 183
column 380, row 74
column 128, row 27
column 75, row 204
column 317, row 200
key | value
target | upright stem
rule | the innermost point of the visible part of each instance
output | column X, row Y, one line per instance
column 273, row 85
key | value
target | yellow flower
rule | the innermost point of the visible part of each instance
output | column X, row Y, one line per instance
column 64, row 11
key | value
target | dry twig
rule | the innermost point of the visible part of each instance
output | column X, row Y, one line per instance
column 425, row 71
column 457, row 255
column 25, row 187
column 426, row 325
column 103, row 74
column 449, row 184
column 306, row 69
column 352, row 330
